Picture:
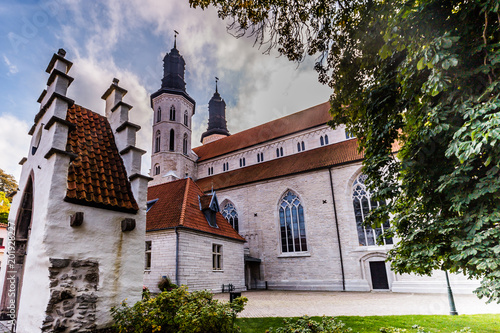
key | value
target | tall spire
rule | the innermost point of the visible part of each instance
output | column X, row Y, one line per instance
column 217, row 126
column 173, row 69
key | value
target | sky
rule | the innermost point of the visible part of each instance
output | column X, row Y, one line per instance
column 127, row 40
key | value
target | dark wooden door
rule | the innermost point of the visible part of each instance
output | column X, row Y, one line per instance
column 379, row 275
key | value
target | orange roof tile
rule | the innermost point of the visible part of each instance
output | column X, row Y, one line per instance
column 326, row 156
column 178, row 205
column 299, row 121
column 97, row 176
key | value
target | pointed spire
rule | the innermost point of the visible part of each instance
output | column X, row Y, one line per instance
column 217, row 124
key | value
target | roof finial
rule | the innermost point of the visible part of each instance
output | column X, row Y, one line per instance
column 216, row 80
column 175, row 38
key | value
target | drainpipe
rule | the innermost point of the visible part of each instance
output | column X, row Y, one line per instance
column 338, row 232
column 176, row 257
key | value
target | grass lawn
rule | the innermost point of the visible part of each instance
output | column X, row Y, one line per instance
column 487, row 323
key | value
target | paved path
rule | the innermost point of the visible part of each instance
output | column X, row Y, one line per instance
column 318, row 303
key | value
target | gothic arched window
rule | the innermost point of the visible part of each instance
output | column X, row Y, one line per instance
column 363, row 203
column 186, row 118
column 158, row 115
column 231, row 215
column 185, row 145
column 326, row 139
column 157, row 169
column 172, row 140
column 172, row 113
column 157, row 141
column 292, row 224
column 321, row 141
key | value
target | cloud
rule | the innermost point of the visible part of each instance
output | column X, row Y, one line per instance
column 12, row 68
column 14, row 143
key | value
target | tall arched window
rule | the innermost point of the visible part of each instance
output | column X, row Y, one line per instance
column 185, row 144
column 321, row 141
column 292, row 224
column 363, row 203
column 157, row 141
column 172, row 113
column 231, row 215
column 172, row 140
column 158, row 115
column 326, row 139
column 157, row 169
column 186, row 118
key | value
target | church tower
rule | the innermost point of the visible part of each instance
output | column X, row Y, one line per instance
column 173, row 109
column 217, row 127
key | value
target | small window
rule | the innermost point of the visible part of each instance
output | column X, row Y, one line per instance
column 262, row 157
column 158, row 115
column 172, row 113
column 186, row 118
column 217, row 257
column 298, row 146
column 225, row 166
column 185, row 145
column 147, row 262
column 242, row 162
column 157, row 141
column 303, row 145
column 258, row 158
column 321, row 141
column 279, row 152
column 210, row 171
column 172, row 140
column 157, row 169
column 349, row 135
column 326, row 139
column 1, row 241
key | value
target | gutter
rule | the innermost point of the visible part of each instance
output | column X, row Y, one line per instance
column 177, row 257
column 338, row 232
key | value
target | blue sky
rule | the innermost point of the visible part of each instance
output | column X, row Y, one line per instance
column 127, row 40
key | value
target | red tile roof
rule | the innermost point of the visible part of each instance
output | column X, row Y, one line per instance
column 326, row 156
column 178, row 205
column 97, row 176
column 296, row 122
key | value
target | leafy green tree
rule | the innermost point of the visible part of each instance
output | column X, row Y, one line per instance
column 8, row 183
column 424, row 74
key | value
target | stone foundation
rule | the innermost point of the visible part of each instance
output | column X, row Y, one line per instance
column 72, row 304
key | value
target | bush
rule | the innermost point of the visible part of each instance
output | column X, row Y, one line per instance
column 178, row 311
column 306, row 325
column 166, row 284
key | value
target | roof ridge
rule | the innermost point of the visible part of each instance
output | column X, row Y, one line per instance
column 184, row 202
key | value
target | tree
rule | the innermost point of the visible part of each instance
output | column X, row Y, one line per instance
column 424, row 74
column 8, row 183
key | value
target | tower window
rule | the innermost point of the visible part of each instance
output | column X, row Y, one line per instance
column 186, row 118
column 185, row 145
column 158, row 115
column 157, row 141
column 172, row 113
column 157, row 169
column 172, row 140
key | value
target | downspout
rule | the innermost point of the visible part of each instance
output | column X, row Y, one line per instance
column 177, row 257
column 338, row 232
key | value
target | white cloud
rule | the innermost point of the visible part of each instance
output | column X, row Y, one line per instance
column 13, row 144
column 12, row 68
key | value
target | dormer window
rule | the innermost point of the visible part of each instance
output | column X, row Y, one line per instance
column 209, row 206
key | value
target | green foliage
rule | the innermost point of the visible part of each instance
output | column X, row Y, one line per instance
column 166, row 284
column 425, row 74
column 178, row 311
column 306, row 325
column 8, row 183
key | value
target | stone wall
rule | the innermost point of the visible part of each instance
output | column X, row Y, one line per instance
column 73, row 296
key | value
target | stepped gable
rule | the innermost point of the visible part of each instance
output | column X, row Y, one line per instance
column 316, row 116
column 97, row 176
column 178, row 205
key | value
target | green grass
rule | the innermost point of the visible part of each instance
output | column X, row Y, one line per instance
column 488, row 323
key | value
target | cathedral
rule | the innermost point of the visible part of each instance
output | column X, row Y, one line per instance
column 277, row 206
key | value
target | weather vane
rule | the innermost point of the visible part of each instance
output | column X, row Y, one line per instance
column 175, row 38
column 216, row 80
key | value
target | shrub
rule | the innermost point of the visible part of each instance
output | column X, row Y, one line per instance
column 165, row 284
column 178, row 311
column 306, row 325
